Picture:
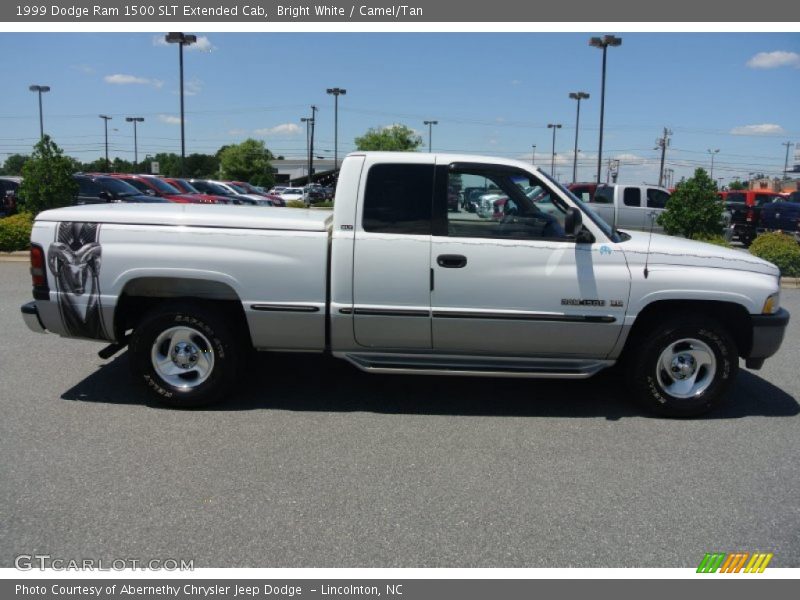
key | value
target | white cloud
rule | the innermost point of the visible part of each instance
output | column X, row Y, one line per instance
column 169, row 119
column 203, row 44
column 120, row 79
column 282, row 129
column 761, row 129
column 193, row 87
column 774, row 60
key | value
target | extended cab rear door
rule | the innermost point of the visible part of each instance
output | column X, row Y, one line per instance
column 391, row 261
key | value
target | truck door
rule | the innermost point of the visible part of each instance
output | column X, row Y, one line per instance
column 631, row 210
column 391, row 261
column 517, row 286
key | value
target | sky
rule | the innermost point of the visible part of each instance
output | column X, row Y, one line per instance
column 491, row 93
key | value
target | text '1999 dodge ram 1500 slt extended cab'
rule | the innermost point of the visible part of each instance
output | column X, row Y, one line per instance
column 394, row 282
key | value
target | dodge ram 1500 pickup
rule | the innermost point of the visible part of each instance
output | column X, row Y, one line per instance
column 394, row 282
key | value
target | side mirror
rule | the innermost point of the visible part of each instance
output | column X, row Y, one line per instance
column 104, row 196
column 150, row 192
column 573, row 222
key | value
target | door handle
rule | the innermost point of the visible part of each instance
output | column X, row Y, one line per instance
column 451, row 261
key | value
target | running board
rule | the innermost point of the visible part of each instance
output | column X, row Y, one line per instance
column 422, row 364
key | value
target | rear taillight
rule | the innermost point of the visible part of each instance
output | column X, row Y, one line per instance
column 751, row 216
column 39, row 273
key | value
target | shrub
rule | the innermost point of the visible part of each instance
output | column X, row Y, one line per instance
column 781, row 250
column 47, row 179
column 15, row 232
column 324, row 204
column 295, row 204
column 717, row 240
column 694, row 210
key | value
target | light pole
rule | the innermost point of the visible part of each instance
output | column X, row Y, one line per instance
column 135, row 120
column 41, row 89
column 430, row 125
column 603, row 43
column 336, row 92
column 786, row 162
column 577, row 96
column 106, row 119
column 308, row 121
column 553, row 126
column 314, row 110
column 713, row 153
column 662, row 143
column 182, row 40
column 533, row 155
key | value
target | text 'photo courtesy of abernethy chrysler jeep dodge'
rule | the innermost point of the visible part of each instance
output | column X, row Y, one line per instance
column 396, row 281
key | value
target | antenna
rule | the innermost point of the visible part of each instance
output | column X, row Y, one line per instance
column 649, row 239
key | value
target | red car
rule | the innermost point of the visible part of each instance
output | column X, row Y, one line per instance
column 155, row 186
column 185, row 187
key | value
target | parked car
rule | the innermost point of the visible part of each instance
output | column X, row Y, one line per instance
column 633, row 207
column 101, row 189
column 185, row 187
column 155, row 186
column 241, row 194
column 9, row 185
column 274, row 199
column 584, row 191
column 291, row 193
column 782, row 216
column 745, row 209
column 213, row 189
column 393, row 283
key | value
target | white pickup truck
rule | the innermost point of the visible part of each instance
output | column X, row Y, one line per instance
column 394, row 282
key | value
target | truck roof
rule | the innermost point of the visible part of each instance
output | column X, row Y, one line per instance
column 195, row 215
column 445, row 157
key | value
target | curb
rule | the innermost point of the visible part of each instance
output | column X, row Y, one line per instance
column 19, row 256
column 790, row 283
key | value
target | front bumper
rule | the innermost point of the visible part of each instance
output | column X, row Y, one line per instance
column 30, row 314
column 768, row 332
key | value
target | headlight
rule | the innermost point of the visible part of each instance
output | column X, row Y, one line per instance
column 772, row 304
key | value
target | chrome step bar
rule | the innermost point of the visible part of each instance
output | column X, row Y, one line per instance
column 464, row 366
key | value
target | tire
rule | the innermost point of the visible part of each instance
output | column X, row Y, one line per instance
column 186, row 354
column 684, row 367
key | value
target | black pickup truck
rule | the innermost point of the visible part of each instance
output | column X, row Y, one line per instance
column 782, row 216
column 745, row 208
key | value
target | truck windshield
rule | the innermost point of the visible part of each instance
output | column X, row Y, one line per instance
column 586, row 209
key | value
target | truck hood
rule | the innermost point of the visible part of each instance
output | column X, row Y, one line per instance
column 675, row 251
column 195, row 215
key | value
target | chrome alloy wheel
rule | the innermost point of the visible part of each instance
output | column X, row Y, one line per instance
column 183, row 357
column 686, row 368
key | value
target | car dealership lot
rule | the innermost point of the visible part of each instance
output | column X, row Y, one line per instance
column 319, row 465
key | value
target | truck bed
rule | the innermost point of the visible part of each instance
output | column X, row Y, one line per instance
column 195, row 215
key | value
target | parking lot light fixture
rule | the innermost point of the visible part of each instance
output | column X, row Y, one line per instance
column 336, row 92
column 106, row 119
column 430, row 125
column 41, row 89
column 603, row 43
column 308, row 121
column 182, row 39
column 577, row 96
column 533, row 155
column 553, row 126
column 713, row 153
column 135, row 120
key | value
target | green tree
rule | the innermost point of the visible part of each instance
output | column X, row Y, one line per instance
column 14, row 163
column 202, row 166
column 47, row 178
column 694, row 209
column 248, row 161
column 736, row 185
column 397, row 137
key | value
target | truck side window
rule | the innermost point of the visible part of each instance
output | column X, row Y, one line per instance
column 656, row 198
column 398, row 199
column 632, row 197
column 604, row 195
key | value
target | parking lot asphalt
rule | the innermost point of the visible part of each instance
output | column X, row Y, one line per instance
column 318, row 465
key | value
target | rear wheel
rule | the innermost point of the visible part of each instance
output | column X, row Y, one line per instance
column 186, row 355
column 684, row 367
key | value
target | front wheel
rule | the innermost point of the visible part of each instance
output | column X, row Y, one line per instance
column 684, row 368
column 185, row 354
